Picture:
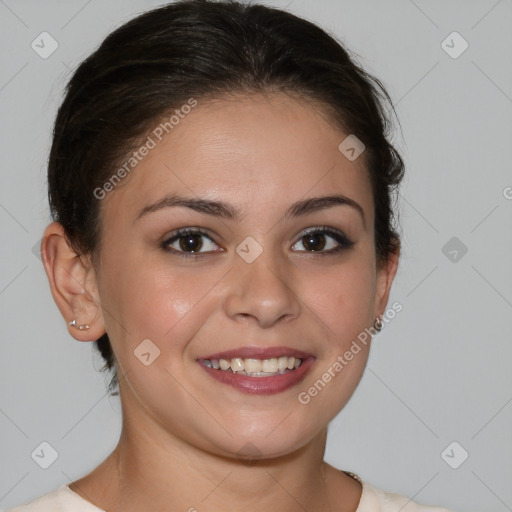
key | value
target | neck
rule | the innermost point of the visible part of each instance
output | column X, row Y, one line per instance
column 152, row 469
column 177, row 476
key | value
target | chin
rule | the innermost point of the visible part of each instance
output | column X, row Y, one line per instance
column 264, row 443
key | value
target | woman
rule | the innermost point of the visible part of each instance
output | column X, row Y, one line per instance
column 220, row 181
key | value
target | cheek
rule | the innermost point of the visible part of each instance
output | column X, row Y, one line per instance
column 343, row 298
column 156, row 300
column 342, row 303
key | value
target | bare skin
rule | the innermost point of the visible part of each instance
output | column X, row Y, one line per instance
column 187, row 439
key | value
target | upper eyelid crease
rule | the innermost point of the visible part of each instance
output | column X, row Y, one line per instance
column 226, row 211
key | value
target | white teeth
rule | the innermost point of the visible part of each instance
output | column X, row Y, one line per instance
column 237, row 364
column 282, row 364
column 224, row 365
column 252, row 366
column 269, row 365
column 255, row 367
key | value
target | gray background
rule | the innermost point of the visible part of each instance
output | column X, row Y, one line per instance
column 438, row 373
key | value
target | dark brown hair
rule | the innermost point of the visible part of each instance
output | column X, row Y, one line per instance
column 204, row 49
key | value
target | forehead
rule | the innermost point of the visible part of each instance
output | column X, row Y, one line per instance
column 248, row 150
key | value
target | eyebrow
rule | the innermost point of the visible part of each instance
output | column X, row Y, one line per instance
column 229, row 212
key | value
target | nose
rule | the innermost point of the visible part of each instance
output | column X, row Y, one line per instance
column 261, row 291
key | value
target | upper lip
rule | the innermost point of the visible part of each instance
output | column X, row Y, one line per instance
column 259, row 353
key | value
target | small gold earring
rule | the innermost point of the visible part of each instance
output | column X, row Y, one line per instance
column 378, row 324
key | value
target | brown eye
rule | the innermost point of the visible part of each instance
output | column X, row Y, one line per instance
column 324, row 240
column 314, row 241
column 190, row 242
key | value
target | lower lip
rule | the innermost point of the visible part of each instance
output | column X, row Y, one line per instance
column 262, row 385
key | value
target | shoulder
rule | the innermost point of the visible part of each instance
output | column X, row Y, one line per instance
column 377, row 500
column 48, row 502
column 62, row 499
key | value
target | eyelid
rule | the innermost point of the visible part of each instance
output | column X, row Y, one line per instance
column 195, row 230
column 318, row 229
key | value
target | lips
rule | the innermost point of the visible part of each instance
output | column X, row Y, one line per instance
column 259, row 353
column 259, row 383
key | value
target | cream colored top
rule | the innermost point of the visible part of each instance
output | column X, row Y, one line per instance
column 372, row 500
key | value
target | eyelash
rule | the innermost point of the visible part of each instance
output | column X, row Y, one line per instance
column 338, row 236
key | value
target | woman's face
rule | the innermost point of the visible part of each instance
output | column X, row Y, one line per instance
column 252, row 282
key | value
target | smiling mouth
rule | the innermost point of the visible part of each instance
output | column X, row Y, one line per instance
column 254, row 367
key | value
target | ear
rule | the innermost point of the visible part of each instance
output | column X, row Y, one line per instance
column 73, row 284
column 385, row 275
